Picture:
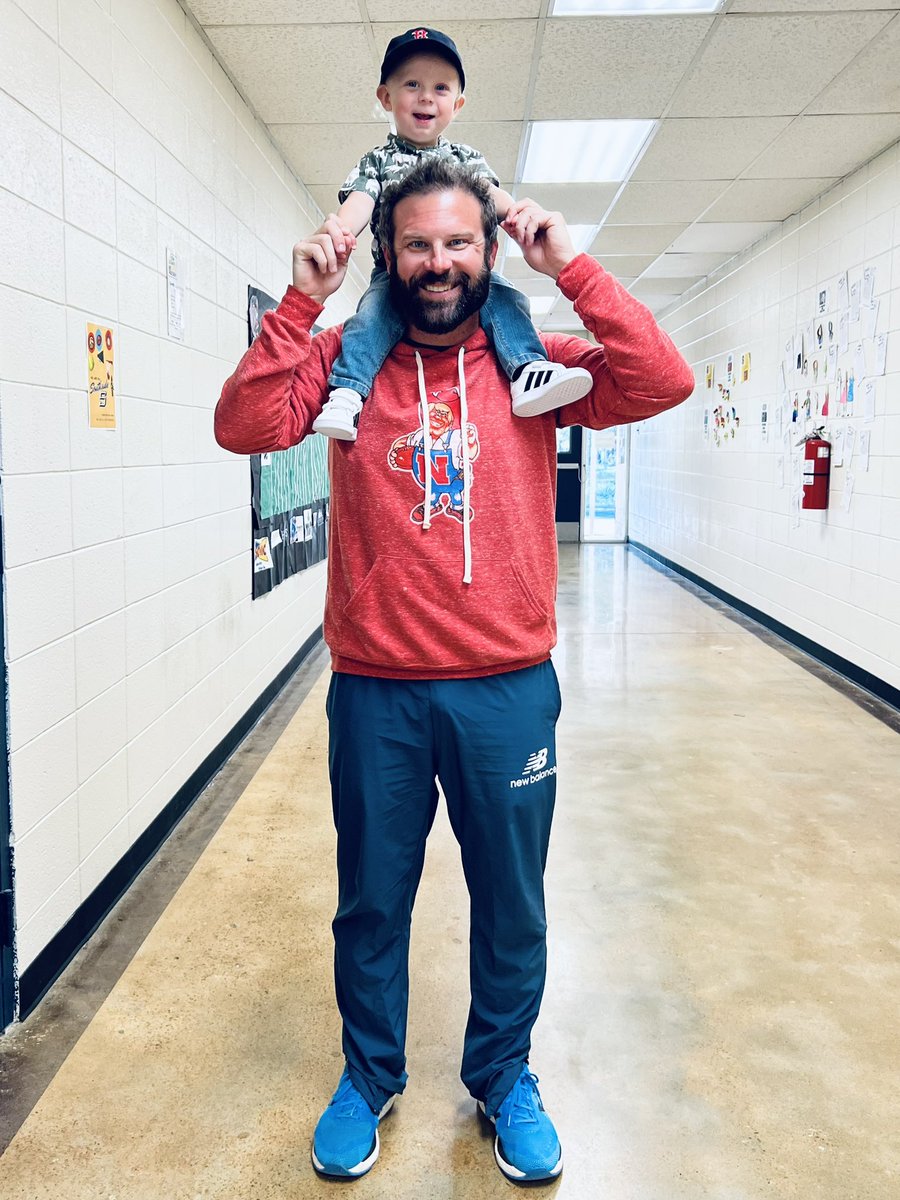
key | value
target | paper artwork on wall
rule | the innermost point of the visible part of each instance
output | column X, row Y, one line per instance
column 174, row 297
column 101, row 385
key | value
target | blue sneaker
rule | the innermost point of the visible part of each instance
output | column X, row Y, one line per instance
column 526, row 1147
column 345, row 1143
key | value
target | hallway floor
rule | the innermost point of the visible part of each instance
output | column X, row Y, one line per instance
column 721, row 1015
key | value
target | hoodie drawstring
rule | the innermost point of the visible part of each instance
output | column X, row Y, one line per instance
column 464, row 451
column 426, row 443
column 467, row 466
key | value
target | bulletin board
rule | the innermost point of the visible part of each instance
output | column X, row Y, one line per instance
column 289, row 494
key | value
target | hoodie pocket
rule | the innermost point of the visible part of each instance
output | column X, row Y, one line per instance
column 411, row 613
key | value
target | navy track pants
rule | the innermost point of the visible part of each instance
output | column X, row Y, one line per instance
column 491, row 743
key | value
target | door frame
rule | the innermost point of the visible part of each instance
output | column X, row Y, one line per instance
column 622, row 493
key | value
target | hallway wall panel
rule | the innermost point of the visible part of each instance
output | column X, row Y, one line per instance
column 728, row 511
column 132, row 643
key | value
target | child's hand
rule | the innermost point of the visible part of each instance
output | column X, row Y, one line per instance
column 522, row 221
column 341, row 234
column 319, row 267
column 543, row 236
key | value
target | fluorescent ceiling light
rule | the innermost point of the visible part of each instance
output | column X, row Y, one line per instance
column 581, row 235
column 583, row 151
column 583, row 8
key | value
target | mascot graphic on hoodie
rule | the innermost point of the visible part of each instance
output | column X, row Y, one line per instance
column 447, row 466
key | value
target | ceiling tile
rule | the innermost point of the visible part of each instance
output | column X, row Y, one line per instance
column 682, row 266
column 832, row 145
column 498, row 141
column 656, row 290
column 515, row 268
column 682, row 200
column 265, row 60
column 273, row 12
column 723, row 236
column 634, row 239
column 579, row 203
column 765, row 199
column 324, row 153
column 774, row 6
column 538, row 285
column 596, row 67
column 707, row 148
column 772, row 64
column 622, row 265
column 730, row 160
column 497, row 58
column 871, row 83
column 445, row 12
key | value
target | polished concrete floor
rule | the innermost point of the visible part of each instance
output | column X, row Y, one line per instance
column 720, row 1021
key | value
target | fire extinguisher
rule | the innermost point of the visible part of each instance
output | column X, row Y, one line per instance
column 816, row 469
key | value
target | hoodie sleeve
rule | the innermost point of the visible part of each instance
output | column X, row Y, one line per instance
column 279, row 386
column 637, row 370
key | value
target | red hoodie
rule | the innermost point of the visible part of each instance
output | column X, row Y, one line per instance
column 397, row 604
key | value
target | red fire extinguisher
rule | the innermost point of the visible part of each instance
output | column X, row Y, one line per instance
column 816, row 470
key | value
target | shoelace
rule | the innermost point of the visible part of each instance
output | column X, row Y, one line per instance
column 347, row 1099
column 524, row 1100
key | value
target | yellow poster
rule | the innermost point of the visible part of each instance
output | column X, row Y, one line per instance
column 101, row 393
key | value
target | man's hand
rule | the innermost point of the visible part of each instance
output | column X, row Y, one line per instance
column 543, row 236
column 320, row 261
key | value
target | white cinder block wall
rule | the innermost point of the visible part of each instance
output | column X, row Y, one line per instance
column 132, row 644
column 725, row 513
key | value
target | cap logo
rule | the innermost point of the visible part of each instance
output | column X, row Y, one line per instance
column 420, row 33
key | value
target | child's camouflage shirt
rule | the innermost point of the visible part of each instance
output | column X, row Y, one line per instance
column 388, row 164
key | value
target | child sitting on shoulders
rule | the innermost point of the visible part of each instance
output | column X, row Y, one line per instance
column 422, row 82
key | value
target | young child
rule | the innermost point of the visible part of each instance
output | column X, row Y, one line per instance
column 422, row 82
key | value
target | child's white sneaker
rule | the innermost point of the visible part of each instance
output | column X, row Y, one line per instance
column 339, row 415
column 542, row 386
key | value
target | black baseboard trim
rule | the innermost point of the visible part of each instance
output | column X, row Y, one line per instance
column 43, row 972
column 857, row 675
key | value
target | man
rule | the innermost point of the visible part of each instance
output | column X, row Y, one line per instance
column 441, row 629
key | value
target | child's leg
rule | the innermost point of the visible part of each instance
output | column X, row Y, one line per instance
column 367, row 338
column 506, row 319
column 366, row 341
column 537, row 386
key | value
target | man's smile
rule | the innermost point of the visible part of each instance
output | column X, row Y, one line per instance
column 439, row 288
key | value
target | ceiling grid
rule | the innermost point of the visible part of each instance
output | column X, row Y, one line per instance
column 759, row 108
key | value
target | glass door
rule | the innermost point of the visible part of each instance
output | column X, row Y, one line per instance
column 604, row 493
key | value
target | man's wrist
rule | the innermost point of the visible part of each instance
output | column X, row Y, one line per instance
column 305, row 299
column 560, row 264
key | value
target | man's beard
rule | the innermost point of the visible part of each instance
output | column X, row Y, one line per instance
column 439, row 316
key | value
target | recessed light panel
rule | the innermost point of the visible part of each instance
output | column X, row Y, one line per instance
column 583, row 151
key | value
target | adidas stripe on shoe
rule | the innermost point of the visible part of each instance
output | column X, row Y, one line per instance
column 542, row 386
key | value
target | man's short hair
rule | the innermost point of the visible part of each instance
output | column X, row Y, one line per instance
column 437, row 175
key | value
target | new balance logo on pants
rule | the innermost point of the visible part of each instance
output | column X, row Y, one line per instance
column 534, row 770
